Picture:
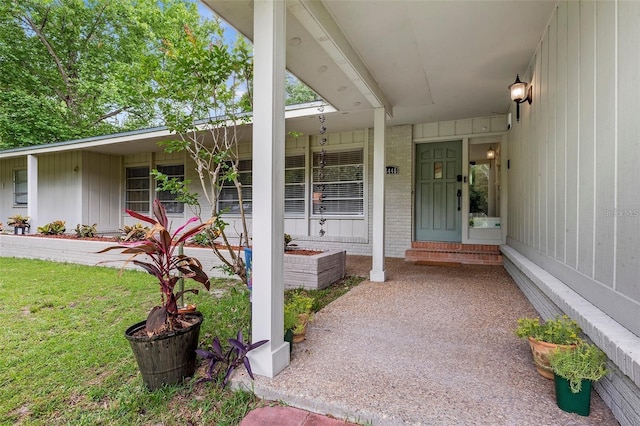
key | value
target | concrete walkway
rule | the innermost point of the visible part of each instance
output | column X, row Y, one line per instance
column 434, row 345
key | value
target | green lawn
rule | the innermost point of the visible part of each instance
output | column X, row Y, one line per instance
column 65, row 360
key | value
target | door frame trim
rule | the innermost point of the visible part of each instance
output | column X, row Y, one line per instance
column 465, row 184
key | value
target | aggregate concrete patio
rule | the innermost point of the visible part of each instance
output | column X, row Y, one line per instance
column 434, row 345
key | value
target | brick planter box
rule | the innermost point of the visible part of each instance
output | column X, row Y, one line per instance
column 311, row 272
column 314, row 272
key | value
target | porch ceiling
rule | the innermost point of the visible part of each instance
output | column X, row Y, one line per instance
column 426, row 60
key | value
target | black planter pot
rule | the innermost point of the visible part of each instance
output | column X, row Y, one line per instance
column 166, row 359
column 20, row 229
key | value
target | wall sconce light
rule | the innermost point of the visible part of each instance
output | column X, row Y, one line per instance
column 491, row 153
column 519, row 94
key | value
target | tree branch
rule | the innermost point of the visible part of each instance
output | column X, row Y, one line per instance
column 93, row 27
column 111, row 114
column 54, row 56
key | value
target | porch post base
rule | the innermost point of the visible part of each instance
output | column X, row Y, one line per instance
column 267, row 361
column 379, row 276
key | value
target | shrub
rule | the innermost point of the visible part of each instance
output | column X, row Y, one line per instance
column 86, row 231
column 297, row 312
column 135, row 232
column 54, row 228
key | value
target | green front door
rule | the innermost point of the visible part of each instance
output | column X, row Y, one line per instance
column 438, row 213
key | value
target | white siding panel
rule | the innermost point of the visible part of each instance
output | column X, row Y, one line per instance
column 543, row 147
column 575, row 156
column 59, row 191
column 532, row 157
column 447, row 128
column 560, row 137
column 572, row 97
column 551, row 174
column 605, row 141
column 628, row 159
column 101, row 191
column 587, row 125
column 464, row 127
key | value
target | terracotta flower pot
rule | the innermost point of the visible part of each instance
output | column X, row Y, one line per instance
column 540, row 351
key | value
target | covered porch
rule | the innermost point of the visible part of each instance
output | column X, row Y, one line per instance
column 433, row 345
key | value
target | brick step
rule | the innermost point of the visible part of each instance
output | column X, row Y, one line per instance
column 453, row 247
column 453, row 253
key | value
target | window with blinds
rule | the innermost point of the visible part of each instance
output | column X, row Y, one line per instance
column 294, row 185
column 339, row 184
column 168, row 199
column 20, row 187
column 137, row 186
column 228, row 201
column 294, row 190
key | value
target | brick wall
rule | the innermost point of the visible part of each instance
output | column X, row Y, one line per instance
column 398, row 188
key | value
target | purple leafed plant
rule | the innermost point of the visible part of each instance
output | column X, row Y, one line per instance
column 159, row 257
column 222, row 364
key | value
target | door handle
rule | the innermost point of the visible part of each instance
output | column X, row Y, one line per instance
column 459, row 198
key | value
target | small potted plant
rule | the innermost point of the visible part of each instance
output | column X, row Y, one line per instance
column 297, row 314
column 545, row 337
column 574, row 372
column 20, row 223
column 164, row 345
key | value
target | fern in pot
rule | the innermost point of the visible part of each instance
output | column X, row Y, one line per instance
column 574, row 371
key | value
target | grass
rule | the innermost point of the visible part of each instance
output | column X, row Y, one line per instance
column 325, row 296
column 65, row 359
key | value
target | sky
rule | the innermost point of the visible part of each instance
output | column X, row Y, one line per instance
column 229, row 32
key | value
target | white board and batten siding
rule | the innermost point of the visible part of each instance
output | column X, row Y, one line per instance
column 574, row 156
column 59, row 188
column 101, row 190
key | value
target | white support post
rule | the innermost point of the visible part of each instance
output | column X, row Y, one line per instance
column 267, row 320
column 32, row 190
column 378, row 272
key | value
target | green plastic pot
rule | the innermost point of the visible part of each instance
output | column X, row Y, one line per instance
column 166, row 359
column 288, row 337
column 579, row 403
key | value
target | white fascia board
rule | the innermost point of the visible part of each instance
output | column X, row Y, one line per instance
column 86, row 143
column 291, row 111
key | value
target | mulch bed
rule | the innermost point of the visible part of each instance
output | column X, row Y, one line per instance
column 293, row 251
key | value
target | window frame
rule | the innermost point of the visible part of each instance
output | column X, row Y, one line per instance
column 171, row 198
column 127, row 190
column 247, row 188
column 16, row 182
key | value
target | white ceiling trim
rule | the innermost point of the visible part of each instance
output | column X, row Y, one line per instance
column 317, row 20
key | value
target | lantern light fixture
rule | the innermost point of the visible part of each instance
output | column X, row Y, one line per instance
column 491, row 153
column 520, row 92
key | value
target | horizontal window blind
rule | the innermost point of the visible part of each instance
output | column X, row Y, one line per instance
column 294, row 185
column 339, row 184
